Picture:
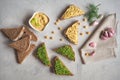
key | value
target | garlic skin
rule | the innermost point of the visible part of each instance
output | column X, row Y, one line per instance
column 90, row 53
column 111, row 30
column 96, row 22
column 103, row 37
column 110, row 34
column 92, row 44
column 107, row 33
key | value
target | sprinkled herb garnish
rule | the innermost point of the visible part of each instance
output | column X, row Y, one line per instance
column 92, row 14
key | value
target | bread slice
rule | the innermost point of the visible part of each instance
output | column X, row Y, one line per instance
column 28, row 32
column 21, row 45
column 60, row 68
column 66, row 51
column 13, row 33
column 21, row 56
column 72, row 11
column 72, row 32
column 42, row 55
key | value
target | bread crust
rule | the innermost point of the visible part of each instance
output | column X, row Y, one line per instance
column 22, row 55
column 13, row 33
column 28, row 32
column 22, row 44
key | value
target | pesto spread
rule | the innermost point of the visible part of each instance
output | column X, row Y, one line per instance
column 66, row 51
column 60, row 68
column 42, row 55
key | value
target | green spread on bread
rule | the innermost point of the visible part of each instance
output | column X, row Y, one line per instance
column 60, row 68
column 66, row 51
column 42, row 55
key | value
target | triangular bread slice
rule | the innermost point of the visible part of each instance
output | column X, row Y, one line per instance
column 72, row 11
column 60, row 68
column 66, row 51
column 28, row 32
column 72, row 32
column 22, row 44
column 13, row 33
column 21, row 56
column 42, row 55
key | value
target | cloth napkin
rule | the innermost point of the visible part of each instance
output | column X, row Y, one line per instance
column 104, row 48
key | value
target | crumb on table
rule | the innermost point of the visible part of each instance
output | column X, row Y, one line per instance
column 61, row 39
column 57, row 21
column 86, row 54
column 59, row 28
column 81, row 34
column 51, row 37
column 46, row 37
column 88, row 32
column 84, row 19
column 52, row 32
column 85, row 27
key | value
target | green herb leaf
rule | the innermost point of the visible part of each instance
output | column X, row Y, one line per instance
column 92, row 13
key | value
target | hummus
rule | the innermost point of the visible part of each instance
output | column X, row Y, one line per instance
column 72, row 32
column 72, row 11
column 39, row 21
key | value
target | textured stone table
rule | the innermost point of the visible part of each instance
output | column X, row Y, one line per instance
column 17, row 12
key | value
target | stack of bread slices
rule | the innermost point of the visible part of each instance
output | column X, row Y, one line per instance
column 21, row 41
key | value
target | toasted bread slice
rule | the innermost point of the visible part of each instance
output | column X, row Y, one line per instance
column 60, row 68
column 13, row 33
column 66, row 51
column 42, row 55
column 21, row 56
column 21, row 45
column 72, row 11
column 72, row 32
column 28, row 32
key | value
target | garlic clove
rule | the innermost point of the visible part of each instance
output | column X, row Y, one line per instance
column 110, row 34
column 95, row 23
column 103, row 37
column 92, row 44
column 111, row 30
column 105, row 33
column 92, row 53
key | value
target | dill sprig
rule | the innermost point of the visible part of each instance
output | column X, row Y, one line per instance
column 92, row 14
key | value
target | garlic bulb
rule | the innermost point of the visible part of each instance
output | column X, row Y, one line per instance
column 107, row 33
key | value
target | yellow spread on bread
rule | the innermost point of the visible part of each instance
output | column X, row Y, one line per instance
column 72, row 32
column 72, row 11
